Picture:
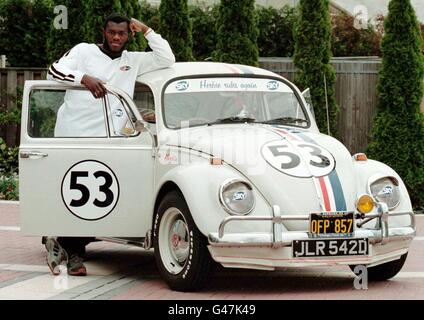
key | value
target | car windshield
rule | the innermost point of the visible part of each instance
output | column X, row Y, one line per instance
column 214, row 101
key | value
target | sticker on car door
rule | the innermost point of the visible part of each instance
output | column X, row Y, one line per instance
column 90, row 190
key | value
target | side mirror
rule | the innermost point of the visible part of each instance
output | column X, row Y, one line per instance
column 141, row 126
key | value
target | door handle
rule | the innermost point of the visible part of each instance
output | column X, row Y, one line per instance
column 32, row 155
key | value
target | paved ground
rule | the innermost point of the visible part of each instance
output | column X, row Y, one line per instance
column 121, row 272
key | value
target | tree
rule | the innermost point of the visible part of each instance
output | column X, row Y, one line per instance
column 276, row 31
column 149, row 15
column 96, row 13
column 23, row 27
column 312, row 55
column 204, row 33
column 348, row 41
column 398, row 128
column 176, row 27
column 237, row 33
column 63, row 37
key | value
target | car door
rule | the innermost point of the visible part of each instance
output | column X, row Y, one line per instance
column 88, row 184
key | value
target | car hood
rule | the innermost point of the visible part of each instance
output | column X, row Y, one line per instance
column 299, row 170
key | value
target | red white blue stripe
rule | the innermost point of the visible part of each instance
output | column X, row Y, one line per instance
column 331, row 192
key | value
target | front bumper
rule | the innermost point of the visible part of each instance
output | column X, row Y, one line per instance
column 269, row 251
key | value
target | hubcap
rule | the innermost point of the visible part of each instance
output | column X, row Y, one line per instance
column 174, row 244
column 179, row 244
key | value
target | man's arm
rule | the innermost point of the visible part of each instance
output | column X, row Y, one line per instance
column 65, row 70
column 161, row 55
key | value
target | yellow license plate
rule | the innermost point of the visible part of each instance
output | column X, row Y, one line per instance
column 331, row 223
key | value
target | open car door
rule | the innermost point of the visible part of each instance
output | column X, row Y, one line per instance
column 83, row 185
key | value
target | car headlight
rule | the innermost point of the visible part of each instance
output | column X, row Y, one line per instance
column 236, row 197
column 386, row 189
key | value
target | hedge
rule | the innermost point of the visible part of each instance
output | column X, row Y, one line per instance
column 237, row 33
column 312, row 59
column 275, row 27
column 398, row 128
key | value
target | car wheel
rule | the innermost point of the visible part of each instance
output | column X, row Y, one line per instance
column 180, row 248
column 384, row 271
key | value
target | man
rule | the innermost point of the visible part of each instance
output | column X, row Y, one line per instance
column 92, row 66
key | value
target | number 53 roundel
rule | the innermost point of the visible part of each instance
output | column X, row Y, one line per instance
column 298, row 158
column 90, row 190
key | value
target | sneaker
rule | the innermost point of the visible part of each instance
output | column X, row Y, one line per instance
column 76, row 267
column 56, row 255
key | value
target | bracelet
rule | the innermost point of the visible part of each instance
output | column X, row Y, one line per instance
column 148, row 31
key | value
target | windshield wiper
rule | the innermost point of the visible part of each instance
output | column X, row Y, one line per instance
column 286, row 120
column 233, row 119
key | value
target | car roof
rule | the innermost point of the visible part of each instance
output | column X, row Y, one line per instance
column 187, row 69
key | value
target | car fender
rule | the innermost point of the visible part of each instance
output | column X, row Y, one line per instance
column 200, row 184
column 365, row 170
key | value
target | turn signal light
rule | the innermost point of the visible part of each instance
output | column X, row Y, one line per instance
column 216, row 161
column 365, row 204
column 360, row 157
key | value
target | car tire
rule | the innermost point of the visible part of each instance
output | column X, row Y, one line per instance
column 180, row 249
column 384, row 271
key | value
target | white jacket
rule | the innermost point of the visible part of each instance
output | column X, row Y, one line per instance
column 81, row 114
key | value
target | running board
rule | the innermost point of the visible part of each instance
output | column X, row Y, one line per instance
column 138, row 242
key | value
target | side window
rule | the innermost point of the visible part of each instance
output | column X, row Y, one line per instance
column 144, row 100
column 65, row 113
column 119, row 120
column 284, row 105
column 43, row 109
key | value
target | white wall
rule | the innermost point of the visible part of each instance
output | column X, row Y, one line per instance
column 266, row 3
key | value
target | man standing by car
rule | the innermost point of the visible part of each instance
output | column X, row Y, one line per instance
column 93, row 65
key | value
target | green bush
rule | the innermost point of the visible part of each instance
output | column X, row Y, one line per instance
column 60, row 41
column 9, row 116
column 276, row 31
column 9, row 187
column 149, row 15
column 204, row 32
column 176, row 27
column 398, row 128
column 23, row 28
column 312, row 58
column 85, row 21
column 237, row 32
column 422, row 34
column 8, row 158
column 350, row 41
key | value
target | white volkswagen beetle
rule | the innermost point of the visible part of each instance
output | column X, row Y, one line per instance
column 216, row 162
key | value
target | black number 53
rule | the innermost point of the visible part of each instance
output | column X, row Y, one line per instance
column 85, row 192
column 295, row 159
